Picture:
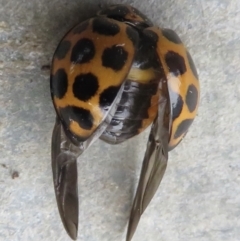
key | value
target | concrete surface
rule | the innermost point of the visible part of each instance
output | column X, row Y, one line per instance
column 199, row 199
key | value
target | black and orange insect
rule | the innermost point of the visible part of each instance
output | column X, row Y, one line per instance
column 112, row 76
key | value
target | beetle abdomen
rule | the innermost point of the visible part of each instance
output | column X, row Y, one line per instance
column 132, row 112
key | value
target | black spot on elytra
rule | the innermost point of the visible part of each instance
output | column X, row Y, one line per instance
column 132, row 35
column 177, row 104
column 151, row 35
column 62, row 49
column 82, row 116
column 107, row 97
column 175, row 63
column 85, row 86
column 114, row 57
column 192, row 65
column 192, row 98
column 81, row 27
column 182, row 128
column 171, row 36
column 59, row 83
column 104, row 26
column 83, row 51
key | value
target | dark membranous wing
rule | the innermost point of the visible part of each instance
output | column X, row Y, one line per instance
column 64, row 168
column 154, row 165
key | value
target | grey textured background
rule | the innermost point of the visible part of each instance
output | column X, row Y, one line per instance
column 199, row 199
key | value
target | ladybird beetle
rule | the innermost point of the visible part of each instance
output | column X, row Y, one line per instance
column 112, row 76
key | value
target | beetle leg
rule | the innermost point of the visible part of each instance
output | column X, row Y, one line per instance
column 154, row 165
